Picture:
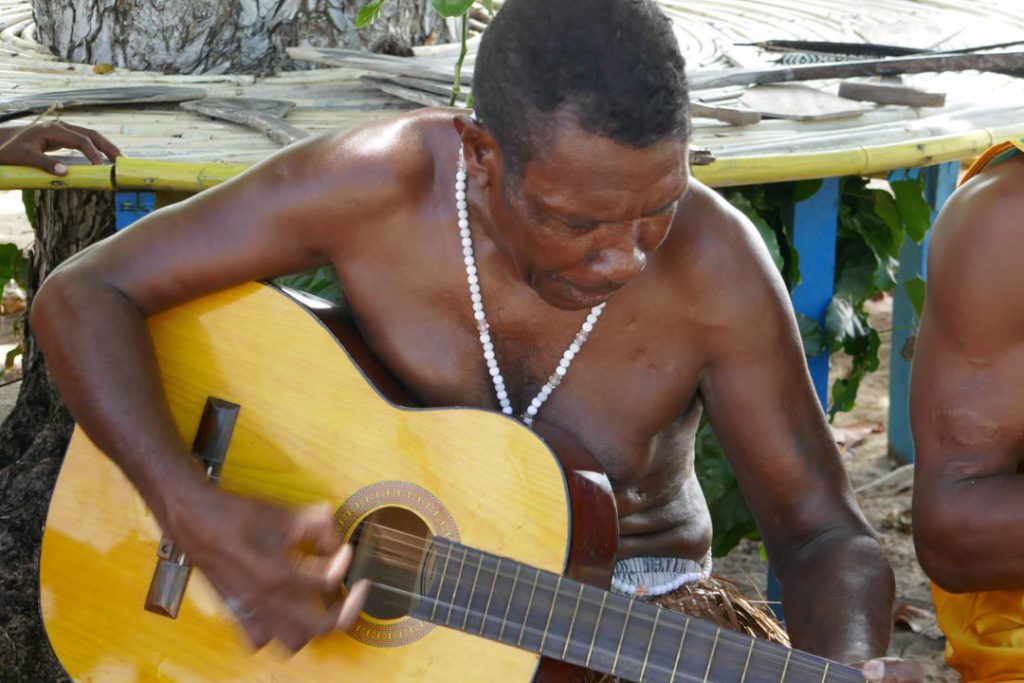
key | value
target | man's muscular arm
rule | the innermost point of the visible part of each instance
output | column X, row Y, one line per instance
column 966, row 410
column 837, row 587
column 289, row 213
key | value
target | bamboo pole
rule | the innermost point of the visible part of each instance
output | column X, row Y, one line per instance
column 144, row 174
column 82, row 177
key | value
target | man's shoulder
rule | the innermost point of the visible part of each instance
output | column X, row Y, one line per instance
column 977, row 251
column 715, row 251
column 403, row 147
column 983, row 217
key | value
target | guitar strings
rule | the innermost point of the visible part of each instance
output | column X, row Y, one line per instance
column 843, row 672
column 398, row 559
column 421, row 544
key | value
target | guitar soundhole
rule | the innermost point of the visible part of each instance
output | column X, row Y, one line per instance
column 390, row 546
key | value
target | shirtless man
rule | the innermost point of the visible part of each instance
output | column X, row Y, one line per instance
column 968, row 420
column 578, row 193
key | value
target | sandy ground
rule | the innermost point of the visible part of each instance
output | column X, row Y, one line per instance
column 886, row 506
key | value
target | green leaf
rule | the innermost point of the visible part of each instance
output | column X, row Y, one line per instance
column 9, row 359
column 451, row 8
column 855, row 270
column 369, row 13
column 843, row 322
column 805, row 189
column 915, row 289
column 915, row 209
column 13, row 265
column 322, row 282
column 732, row 521
column 812, row 335
column 766, row 231
column 489, row 4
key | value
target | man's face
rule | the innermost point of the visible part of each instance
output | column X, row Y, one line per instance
column 585, row 214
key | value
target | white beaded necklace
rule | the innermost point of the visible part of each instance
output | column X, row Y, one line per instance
column 481, row 319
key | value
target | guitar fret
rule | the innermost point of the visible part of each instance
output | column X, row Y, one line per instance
column 650, row 644
column 711, row 658
column 622, row 637
column 551, row 613
column 597, row 625
column 785, row 667
column 508, row 608
column 682, row 642
column 440, row 583
column 575, row 611
column 490, row 595
column 824, row 674
column 746, row 664
column 526, row 615
column 455, row 592
column 472, row 591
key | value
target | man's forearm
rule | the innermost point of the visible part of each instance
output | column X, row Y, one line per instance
column 98, row 350
column 837, row 595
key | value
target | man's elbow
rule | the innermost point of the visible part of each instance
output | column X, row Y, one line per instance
column 55, row 304
column 942, row 554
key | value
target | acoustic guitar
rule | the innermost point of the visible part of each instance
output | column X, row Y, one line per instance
column 490, row 548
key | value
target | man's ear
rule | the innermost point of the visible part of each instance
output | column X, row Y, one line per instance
column 480, row 150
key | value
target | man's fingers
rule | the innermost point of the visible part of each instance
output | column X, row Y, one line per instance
column 893, row 670
column 353, row 605
column 315, row 525
column 57, row 137
column 324, row 574
column 40, row 161
column 103, row 144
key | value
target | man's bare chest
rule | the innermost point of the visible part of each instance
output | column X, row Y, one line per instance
column 628, row 385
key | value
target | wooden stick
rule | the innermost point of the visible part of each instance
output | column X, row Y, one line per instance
column 737, row 117
column 1002, row 62
column 883, row 93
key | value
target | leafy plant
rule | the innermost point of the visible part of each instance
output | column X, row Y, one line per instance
column 13, row 266
column 449, row 9
column 873, row 225
column 322, row 282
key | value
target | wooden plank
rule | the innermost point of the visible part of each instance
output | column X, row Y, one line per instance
column 1002, row 62
column 799, row 103
column 885, row 93
column 262, row 115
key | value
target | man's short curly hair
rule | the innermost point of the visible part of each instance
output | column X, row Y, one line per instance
column 615, row 64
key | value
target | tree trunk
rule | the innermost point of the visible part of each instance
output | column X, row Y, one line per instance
column 33, row 439
column 223, row 36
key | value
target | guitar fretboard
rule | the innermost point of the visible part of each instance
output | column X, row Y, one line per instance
column 512, row 603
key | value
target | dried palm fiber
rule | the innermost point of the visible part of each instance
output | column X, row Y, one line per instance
column 719, row 601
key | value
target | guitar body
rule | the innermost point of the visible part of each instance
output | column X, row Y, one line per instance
column 310, row 428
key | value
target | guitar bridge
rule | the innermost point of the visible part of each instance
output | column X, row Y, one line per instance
column 170, row 578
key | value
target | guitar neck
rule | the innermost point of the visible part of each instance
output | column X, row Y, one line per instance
column 547, row 614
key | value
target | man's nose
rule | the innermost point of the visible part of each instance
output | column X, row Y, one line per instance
column 619, row 264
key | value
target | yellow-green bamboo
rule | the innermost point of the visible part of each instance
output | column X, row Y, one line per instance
column 78, row 177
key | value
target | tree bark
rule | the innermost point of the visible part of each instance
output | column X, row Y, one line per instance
column 33, row 439
column 223, row 36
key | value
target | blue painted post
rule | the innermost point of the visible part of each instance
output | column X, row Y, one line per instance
column 131, row 206
column 815, row 222
column 939, row 183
